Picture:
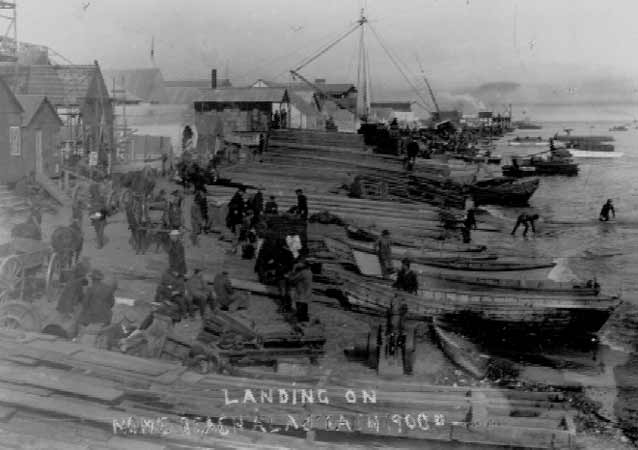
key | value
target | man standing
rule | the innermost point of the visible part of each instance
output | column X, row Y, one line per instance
column 258, row 204
column 302, row 204
column 300, row 282
column 173, row 213
column 73, row 292
column 606, row 209
column 271, row 206
column 236, row 210
column 98, row 220
column 202, row 202
column 197, row 292
column 527, row 221
column 227, row 298
column 384, row 253
column 98, row 301
column 197, row 223
column 176, row 254
column 406, row 279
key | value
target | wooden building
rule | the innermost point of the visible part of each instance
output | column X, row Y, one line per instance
column 81, row 99
column 12, row 160
column 41, row 127
column 224, row 112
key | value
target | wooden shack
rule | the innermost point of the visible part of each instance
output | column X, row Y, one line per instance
column 12, row 160
column 222, row 112
column 40, row 135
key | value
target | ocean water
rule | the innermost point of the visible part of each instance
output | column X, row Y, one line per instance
column 607, row 252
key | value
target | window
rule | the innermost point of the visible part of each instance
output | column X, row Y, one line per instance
column 15, row 141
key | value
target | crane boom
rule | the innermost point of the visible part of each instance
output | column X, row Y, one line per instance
column 427, row 83
column 319, row 89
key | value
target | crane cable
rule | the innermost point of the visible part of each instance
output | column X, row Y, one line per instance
column 396, row 64
column 328, row 47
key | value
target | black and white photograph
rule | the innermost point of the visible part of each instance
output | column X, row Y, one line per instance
column 318, row 224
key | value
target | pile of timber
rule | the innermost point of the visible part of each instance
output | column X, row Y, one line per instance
column 315, row 137
column 98, row 397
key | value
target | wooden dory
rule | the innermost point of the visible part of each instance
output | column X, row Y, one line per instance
column 461, row 351
column 546, row 315
column 545, row 287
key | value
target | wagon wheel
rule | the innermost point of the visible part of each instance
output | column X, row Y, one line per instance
column 54, row 273
column 12, row 275
column 19, row 316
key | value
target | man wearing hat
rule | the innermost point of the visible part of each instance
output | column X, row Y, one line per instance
column 226, row 297
column 406, row 278
column 384, row 253
column 176, row 254
column 300, row 283
column 98, row 301
column 73, row 292
column 172, row 289
column 302, row 204
column 173, row 212
column 271, row 206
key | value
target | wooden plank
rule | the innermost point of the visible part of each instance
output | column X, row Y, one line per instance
column 123, row 362
column 367, row 263
column 63, row 406
column 61, row 381
column 6, row 413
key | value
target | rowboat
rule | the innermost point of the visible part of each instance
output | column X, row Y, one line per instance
column 417, row 256
column 453, row 262
column 369, row 235
column 461, row 351
column 484, row 313
column 504, row 191
column 545, row 287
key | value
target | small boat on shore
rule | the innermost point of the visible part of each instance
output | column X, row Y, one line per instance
column 558, row 162
column 619, row 128
column 544, row 287
column 594, row 154
column 488, row 313
column 583, row 138
column 504, row 191
column 527, row 141
column 527, row 125
column 461, row 351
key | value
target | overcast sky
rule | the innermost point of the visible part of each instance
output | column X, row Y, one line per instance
column 460, row 42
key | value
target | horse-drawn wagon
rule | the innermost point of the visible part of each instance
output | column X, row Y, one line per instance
column 23, row 259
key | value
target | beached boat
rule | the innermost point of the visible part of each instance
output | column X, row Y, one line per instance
column 368, row 235
column 558, row 162
column 510, row 170
column 527, row 125
column 415, row 255
column 461, row 351
column 504, row 191
column 594, row 154
column 583, row 138
column 619, row 128
column 485, row 312
column 527, row 141
column 498, row 265
column 543, row 287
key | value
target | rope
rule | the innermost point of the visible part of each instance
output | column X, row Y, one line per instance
column 396, row 64
column 331, row 45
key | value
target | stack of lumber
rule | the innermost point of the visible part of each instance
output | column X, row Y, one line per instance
column 88, row 389
column 316, row 137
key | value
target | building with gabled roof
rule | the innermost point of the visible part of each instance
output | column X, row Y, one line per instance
column 41, row 127
column 12, row 161
column 81, row 99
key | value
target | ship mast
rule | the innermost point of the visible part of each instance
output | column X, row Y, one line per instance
column 363, row 80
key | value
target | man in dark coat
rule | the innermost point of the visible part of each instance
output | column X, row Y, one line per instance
column 201, row 200
column 176, row 254
column 406, row 279
column 302, row 204
column 527, row 221
column 606, row 209
column 98, row 220
column 225, row 295
column 73, row 292
column 271, row 206
column 383, row 248
column 173, row 213
column 236, row 210
column 172, row 289
column 258, row 204
column 99, row 301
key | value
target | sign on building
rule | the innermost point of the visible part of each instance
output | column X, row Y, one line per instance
column 93, row 159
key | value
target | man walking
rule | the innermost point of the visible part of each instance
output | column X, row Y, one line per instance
column 607, row 208
column 527, row 221
column 384, row 253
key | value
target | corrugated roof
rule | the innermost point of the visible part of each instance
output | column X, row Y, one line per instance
column 395, row 106
column 244, row 95
column 145, row 84
column 31, row 104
